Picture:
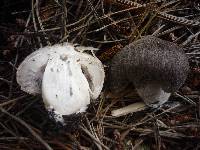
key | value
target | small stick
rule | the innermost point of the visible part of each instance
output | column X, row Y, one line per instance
column 12, row 100
column 34, row 21
column 190, row 38
column 93, row 137
column 40, row 22
column 28, row 127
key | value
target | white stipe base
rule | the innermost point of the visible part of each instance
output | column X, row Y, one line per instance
column 139, row 106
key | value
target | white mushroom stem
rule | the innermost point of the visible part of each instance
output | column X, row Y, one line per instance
column 153, row 95
column 139, row 106
column 64, row 87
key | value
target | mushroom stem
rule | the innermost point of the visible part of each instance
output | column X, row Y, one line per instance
column 139, row 106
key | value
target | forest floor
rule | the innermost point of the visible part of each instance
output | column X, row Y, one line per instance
column 109, row 25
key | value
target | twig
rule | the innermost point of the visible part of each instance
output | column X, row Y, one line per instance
column 12, row 100
column 40, row 22
column 21, row 38
column 28, row 127
column 64, row 18
column 93, row 132
column 190, row 38
column 13, row 138
column 12, row 77
column 180, row 20
column 89, row 134
column 136, row 146
column 149, row 119
column 5, row 80
column 186, row 99
column 34, row 21
column 169, row 30
column 158, row 30
column 100, row 22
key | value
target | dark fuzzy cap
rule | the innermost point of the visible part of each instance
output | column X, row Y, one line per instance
column 149, row 60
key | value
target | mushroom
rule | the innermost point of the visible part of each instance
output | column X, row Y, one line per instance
column 156, row 68
column 66, row 78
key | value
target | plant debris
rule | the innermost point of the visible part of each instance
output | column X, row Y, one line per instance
column 109, row 25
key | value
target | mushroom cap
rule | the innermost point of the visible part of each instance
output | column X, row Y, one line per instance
column 30, row 72
column 153, row 65
column 66, row 78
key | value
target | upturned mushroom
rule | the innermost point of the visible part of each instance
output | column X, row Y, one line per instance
column 66, row 78
column 156, row 68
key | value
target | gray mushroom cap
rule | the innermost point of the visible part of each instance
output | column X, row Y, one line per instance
column 156, row 67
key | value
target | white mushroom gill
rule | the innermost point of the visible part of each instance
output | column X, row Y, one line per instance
column 92, row 66
column 66, row 78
